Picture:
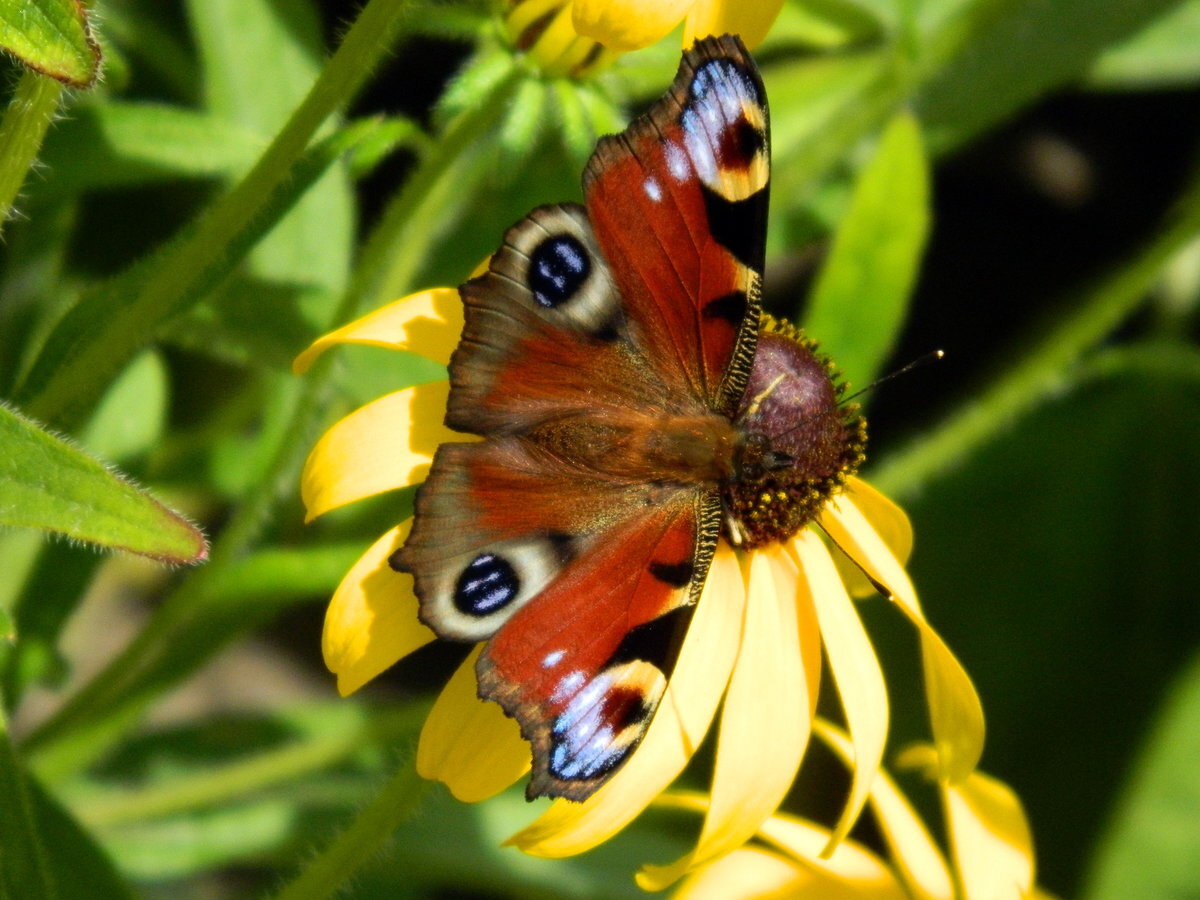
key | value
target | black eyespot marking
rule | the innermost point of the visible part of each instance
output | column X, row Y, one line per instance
column 677, row 575
column 731, row 308
column 738, row 225
column 489, row 583
column 558, row 267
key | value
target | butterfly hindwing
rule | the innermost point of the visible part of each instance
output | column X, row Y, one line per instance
column 603, row 353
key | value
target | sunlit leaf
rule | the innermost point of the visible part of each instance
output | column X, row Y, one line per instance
column 47, row 483
column 52, row 37
column 861, row 296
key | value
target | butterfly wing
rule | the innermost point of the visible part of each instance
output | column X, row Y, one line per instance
column 547, row 538
column 678, row 202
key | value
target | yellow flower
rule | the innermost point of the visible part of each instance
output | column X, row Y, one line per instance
column 755, row 641
column 571, row 37
column 991, row 847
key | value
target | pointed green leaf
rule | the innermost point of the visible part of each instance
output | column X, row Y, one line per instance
column 47, row 483
column 861, row 297
column 52, row 37
column 1161, row 55
column 24, row 867
column 1152, row 847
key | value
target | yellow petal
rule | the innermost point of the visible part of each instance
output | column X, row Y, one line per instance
column 387, row 444
column 890, row 523
column 372, row 619
column 989, row 834
column 851, row 872
column 626, row 25
column 748, row 872
column 687, row 708
column 751, row 19
column 855, row 670
column 955, row 713
column 765, row 722
column 911, row 849
column 427, row 323
column 469, row 744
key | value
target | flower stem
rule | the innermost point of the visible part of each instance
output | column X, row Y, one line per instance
column 29, row 114
column 172, row 282
column 375, row 823
column 1043, row 369
column 235, row 781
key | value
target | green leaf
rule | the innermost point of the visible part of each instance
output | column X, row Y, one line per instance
column 24, row 866
column 130, row 417
column 47, row 483
column 1011, row 52
column 861, row 296
column 825, row 24
column 109, row 324
column 1058, row 562
column 1161, row 55
column 239, row 40
column 1151, row 848
column 80, row 869
column 51, row 37
column 118, row 144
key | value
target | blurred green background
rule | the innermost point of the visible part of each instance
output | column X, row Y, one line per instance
column 182, row 735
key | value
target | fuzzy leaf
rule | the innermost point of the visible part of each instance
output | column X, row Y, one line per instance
column 51, row 37
column 47, row 483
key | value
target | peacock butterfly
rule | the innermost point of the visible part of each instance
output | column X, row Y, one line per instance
column 635, row 406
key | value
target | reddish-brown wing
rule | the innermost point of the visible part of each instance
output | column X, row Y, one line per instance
column 678, row 202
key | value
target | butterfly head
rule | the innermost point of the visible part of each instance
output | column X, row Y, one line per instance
column 797, row 443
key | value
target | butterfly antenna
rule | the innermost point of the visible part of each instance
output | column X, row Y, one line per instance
column 917, row 363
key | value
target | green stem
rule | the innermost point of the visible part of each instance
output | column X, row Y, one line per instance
column 1042, row 369
column 233, row 783
column 29, row 114
column 72, row 384
column 374, row 825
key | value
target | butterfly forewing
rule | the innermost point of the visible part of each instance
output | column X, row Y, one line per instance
column 679, row 205
column 602, row 356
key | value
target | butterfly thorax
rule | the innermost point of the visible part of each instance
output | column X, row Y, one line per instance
column 796, row 446
column 640, row 448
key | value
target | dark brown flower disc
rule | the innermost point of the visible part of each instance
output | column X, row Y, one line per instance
column 798, row 444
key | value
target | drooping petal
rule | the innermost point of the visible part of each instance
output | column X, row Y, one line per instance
column 989, row 833
column 372, row 619
column 469, row 744
column 751, row 19
column 887, row 519
column 911, row 849
column 427, row 323
column 955, row 713
column 387, row 444
column 626, row 25
column 750, row 872
column 701, row 674
column 852, row 871
column 890, row 523
column 856, row 670
column 765, row 722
